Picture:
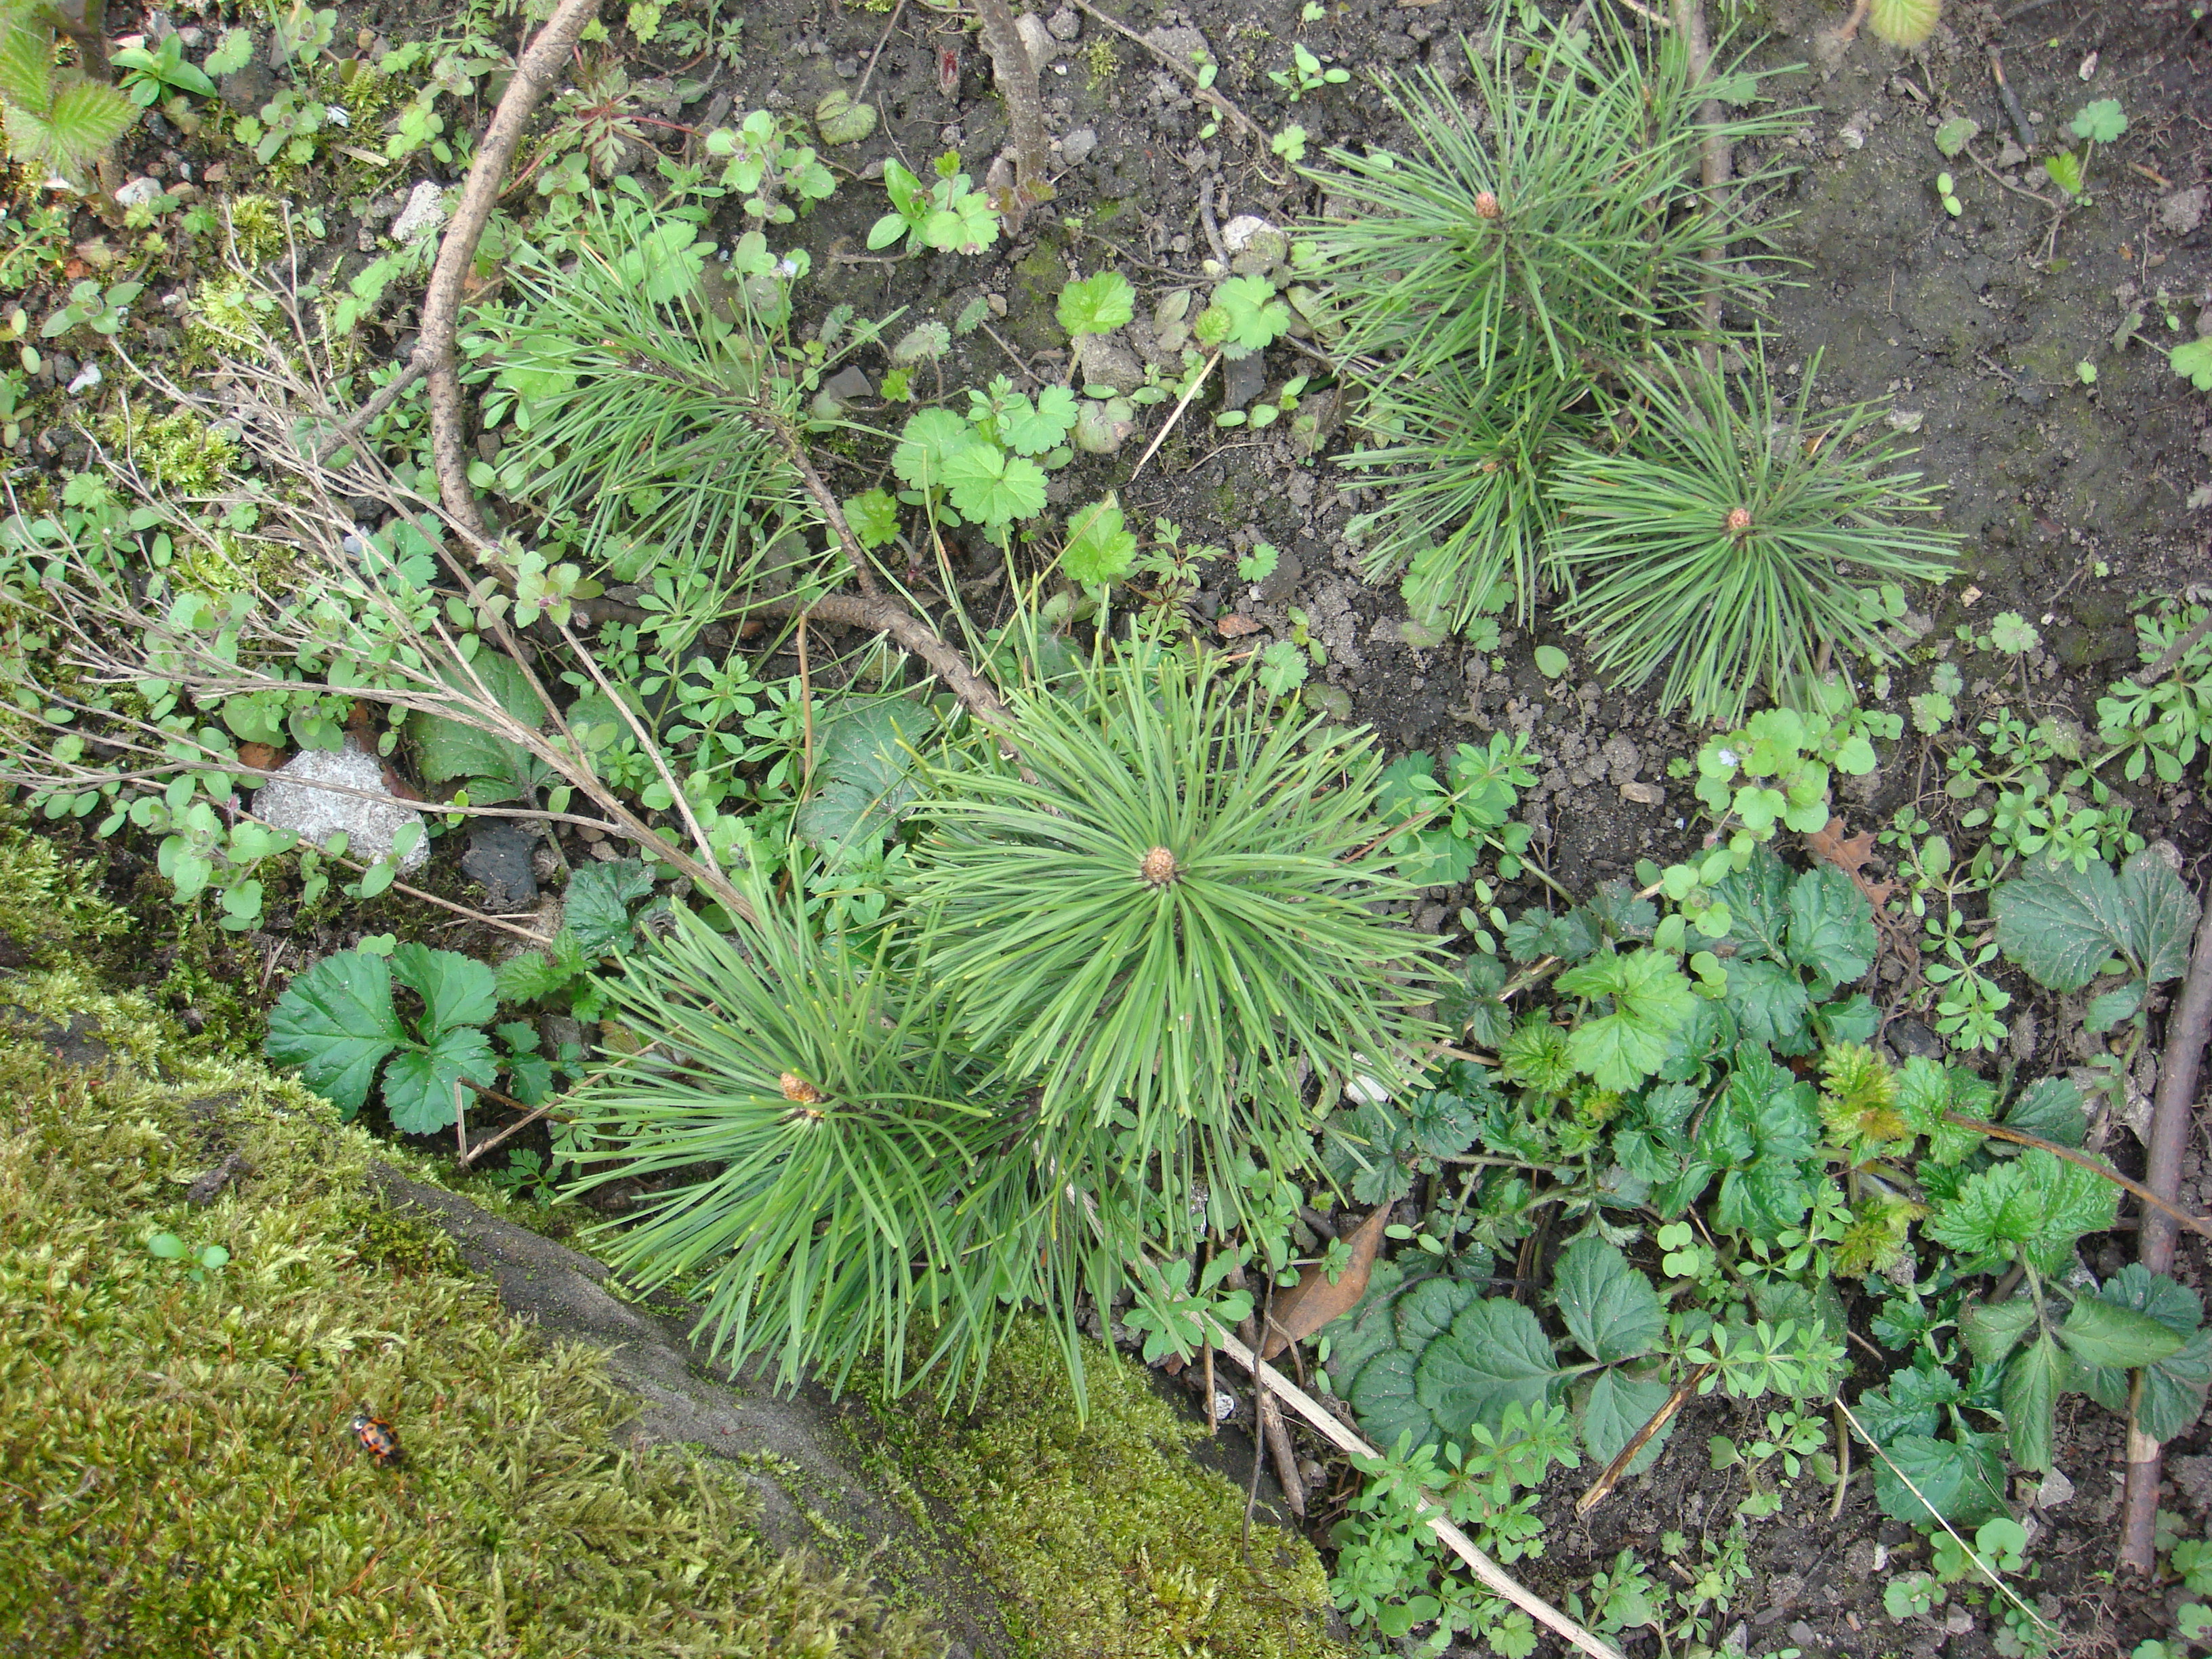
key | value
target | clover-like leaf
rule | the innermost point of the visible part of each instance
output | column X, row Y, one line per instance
column 993, row 487
column 1098, row 548
column 1098, row 305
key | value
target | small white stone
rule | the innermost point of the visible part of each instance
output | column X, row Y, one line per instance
column 1236, row 235
column 290, row 801
column 425, row 212
column 86, row 378
column 139, row 192
column 2056, row 1489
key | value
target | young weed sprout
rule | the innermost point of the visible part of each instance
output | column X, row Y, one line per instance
column 1731, row 538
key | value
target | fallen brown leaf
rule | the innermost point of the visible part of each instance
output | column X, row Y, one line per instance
column 1849, row 855
column 260, row 756
column 1313, row 1301
column 1234, row 627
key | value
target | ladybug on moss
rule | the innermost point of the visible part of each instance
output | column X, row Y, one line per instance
column 379, row 1437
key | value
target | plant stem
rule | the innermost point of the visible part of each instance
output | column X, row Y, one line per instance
column 1016, row 76
column 1714, row 159
column 2186, row 1032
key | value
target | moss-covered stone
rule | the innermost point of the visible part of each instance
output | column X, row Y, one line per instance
column 1104, row 1539
column 176, row 1470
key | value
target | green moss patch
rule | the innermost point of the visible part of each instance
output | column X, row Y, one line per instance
column 177, row 1475
column 1101, row 1536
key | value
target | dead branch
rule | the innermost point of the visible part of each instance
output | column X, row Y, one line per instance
column 1716, row 162
column 2187, row 1030
column 1495, row 1576
column 1017, row 76
column 541, row 62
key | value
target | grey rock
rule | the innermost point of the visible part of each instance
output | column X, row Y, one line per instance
column 499, row 856
column 1236, row 235
column 1036, row 37
column 1242, row 378
column 1623, row 759
column 1075, row 148
column 291, row 800
column 847, row 385
column 247, row 90
column 1106, row 361
column 2056, row 1489
column 1283, row 581
column 2183, row 211
column 139, row 192
column 1182, row 44
column 1803, row 1634
column 1913, row 1039
column 425, row 212
column 1065, row 24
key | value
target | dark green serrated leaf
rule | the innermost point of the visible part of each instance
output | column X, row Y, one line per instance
column 864, row 777
column 1494, row 1353
column 1770, row 1004
column 2060, row 923
column 1964, row 1482
column 1758, row 898
column 2037, row 1374
column 2052, row 1109
column 2104, row 1333
column 1618, row 1406
column 456, row 990
column 1426, row 1311
column 1610, row 1308
column 596, row 908
column 1993, row 1332
column 1383, row 1400
column 1830, row 926
column 418, row 1084
column 337, row 1023
column 1909, row 1403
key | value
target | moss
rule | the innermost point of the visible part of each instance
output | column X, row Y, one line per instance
column 257, row 228
column 1104, row 61
column 177, row 451
column 176, row 1476
column 1101, row 1536
column 50, row 904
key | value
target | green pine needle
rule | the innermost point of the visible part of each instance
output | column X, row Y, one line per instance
column 1731, row 539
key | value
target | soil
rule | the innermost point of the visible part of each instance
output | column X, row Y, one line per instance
column 2076, row 499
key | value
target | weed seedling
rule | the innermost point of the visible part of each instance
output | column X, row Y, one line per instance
column 2099, row 123
column 1948, row 194
column 1306, row 74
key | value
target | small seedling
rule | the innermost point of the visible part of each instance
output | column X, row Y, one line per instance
column 2099, row 123
column 1948, row 194
column 1306, row 74
column 2086, row 372
column 1290, row 143
column 204, row 1260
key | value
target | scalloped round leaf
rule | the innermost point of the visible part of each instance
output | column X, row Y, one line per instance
column 1382, row 1398
column 1494, row 1354
column 1905, row 22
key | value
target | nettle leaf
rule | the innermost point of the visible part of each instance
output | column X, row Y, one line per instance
column 1494, row 1354
column 2104, row 1333
column 1534, row 933
column 1370, row 1328
column 456, row 990
column 71, row 132
column 993, row 487
column 2060, row 924
column 2039, row 1204
column 1770, row 1003
column 497, row 769
column 1830, row 926
column 1926, row 1092
column 26, row 60
column 1616, row 1406
column 1383, row 1399
column 1610, row 1307
column 2174, row 1386
column 1651, row 1000
column 1993, row 1331
column 1359, row 1149
column 2038, row 1374
column 595, row 911
column 1098, row 305
column 1910, row 1402
column 864, row 776
column 1962, row 1480
column 1758, row 898
column 337, row 1023
column 2052, row 1109
column 418, row 1084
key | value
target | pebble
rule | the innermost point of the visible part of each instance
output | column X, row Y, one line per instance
column 425, row 212
column 1064, row 24
column 290, row 801
column 1236, row 235
column 142, row 191
column 1036, row 37
column 499, row 856
column 1078, row 145
column 2056, row 1489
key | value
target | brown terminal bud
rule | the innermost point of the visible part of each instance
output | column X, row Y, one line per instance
column 1486, row 205
column 1158, row 868
column 1739, row 522
column 797, row 1089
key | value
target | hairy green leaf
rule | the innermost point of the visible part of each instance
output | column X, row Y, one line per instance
column 1494, row 1354
column 596, row 908
column 1383, row 1399
column 994, row 488
column 1830, row 926
column 2060, row 923
column 2037, row 1374
column 1615, row 1408
column 456, row 990
column 1610, row 1307
column 1097, row 304
column 864, row 776
column 419, row 1083
column 1651, row 1000
column 2104, row 1333
column 337, row 1023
